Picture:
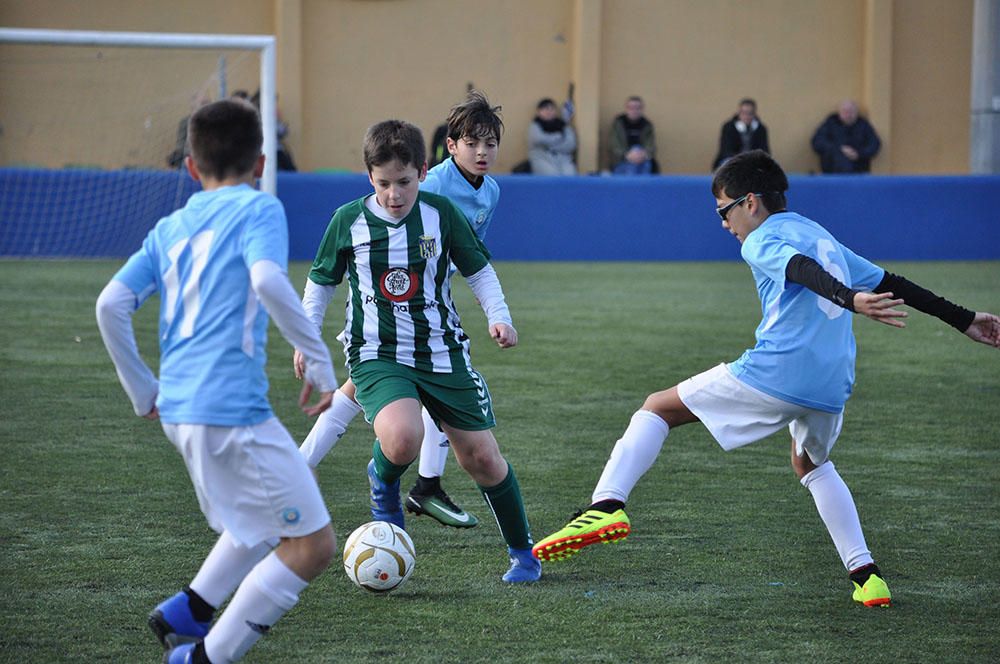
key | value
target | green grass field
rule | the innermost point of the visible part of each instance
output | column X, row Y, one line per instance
column 728, row 560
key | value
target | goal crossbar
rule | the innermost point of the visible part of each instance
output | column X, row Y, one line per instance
column 263, row 43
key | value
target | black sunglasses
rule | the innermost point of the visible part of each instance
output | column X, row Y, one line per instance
column 723, row 211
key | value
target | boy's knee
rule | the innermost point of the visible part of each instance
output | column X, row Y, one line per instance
column 801, row 464
column 325, row 549
column 308, row 556
column 401, row 442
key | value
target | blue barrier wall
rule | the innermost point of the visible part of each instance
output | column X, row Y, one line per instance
column 540, row 218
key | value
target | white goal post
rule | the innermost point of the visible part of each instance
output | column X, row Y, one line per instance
column 265, row 44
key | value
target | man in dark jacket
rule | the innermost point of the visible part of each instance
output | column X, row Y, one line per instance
column 633, row 141
column 846, row 142
column 743, row 132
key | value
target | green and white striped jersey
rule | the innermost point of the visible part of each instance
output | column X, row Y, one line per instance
column 400, row 306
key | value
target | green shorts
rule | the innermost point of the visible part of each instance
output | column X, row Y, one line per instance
column 460, row 400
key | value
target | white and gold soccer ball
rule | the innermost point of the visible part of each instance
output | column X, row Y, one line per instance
column 379, row 557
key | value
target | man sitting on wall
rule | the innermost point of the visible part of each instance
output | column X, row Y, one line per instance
column 846, row 142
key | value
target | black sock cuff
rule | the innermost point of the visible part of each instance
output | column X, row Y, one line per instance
column 426, row 486
column 200, row 609
column 861, row 574
column 608, row 506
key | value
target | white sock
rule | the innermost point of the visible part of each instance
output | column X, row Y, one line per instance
column 434, row 449
column 269, row 592
column 225, row 567
column 837, row 510
column 633, row 455
column 329, row 427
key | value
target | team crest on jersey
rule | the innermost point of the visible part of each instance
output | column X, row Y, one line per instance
column 428, row 246
column 398, row 284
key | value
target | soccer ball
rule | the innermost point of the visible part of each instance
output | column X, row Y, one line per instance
column 379, row 557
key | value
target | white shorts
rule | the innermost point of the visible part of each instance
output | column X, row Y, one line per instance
column 737, row 414
column 251, row 481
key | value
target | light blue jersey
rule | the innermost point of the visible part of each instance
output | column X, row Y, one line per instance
column 212, row 328
column 805, row 345
column 478, row 205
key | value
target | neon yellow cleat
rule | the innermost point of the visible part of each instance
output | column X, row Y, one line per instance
column 588, row 528
column 875, row 592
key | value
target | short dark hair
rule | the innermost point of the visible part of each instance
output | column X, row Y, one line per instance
column 475, row 118
column 225, row 138
column 748, row 101
column 542, row 103
column 392, row 140
column 752, row 172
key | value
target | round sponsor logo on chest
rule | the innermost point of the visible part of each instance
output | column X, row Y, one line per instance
column 398, row 284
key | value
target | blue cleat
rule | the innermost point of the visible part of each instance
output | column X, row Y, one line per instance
column 386, row 505
column 182, row 654
column 173, row 624
column 524, row 567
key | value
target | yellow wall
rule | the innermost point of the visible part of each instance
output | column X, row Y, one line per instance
column 931, row 86
column 344, row 64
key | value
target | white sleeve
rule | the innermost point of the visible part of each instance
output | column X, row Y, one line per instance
column 486, row 287
column 315, row 300
column 114, row 319
column 276, row 293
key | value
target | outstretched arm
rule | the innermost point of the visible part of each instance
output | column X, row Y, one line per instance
column 892, row 291
column 977, row 325
column 879, row 307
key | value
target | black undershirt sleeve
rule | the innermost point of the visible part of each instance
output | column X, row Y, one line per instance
column 805, row 271
column 924, row 300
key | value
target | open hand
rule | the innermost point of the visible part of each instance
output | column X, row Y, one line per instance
column 985, row 329
column 879, row 307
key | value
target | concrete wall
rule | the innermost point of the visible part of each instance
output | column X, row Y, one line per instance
column 344, row 64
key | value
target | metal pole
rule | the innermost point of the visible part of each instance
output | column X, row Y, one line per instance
column 984, row 134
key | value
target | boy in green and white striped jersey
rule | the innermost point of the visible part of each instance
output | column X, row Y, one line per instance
column 403, row 338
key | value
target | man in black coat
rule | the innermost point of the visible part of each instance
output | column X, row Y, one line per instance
column 846, row 142
column 743, row 132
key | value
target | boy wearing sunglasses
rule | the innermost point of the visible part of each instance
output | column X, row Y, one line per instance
column 799, row 374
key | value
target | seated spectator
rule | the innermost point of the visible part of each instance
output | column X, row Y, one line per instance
column 551, row 141
column 846, row 142
column 438, row 151
column 285, row 161
column 743, row 132
column 633, row 141
column 176, row 157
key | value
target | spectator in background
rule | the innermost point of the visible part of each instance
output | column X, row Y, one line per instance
column 438, row 151
column 551, row 141
column 743, row 132
column 176, row 157
column 846, row 142
column 285, row 161
column 633, row 141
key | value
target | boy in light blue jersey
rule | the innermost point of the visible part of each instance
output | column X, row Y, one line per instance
column 473, row 140
column 799, row 374
column 219, row 265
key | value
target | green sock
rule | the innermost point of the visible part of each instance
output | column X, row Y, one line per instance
column 386, row 470
column 504, row 500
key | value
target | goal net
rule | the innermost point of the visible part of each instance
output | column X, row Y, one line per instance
column 92, row 130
